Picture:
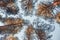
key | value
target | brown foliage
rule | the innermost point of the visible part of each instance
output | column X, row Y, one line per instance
column 29, row 31
column 56, row 2
column 10, row 21
column 41, row 34
column 10, row 37
column 57, row 17
column 28, row 4
column 2, row 4
column 9, row 6
column 43, row 10
column 11, row 25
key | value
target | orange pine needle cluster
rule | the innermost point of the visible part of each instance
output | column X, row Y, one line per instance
column 43, row 10
column 11, row 25
column 57, row 17
column 17, row 21
column 10, row 37
column 10, row 5
column 56, row 2
column 41, row 34
column 29, row 31
column 28, row 4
